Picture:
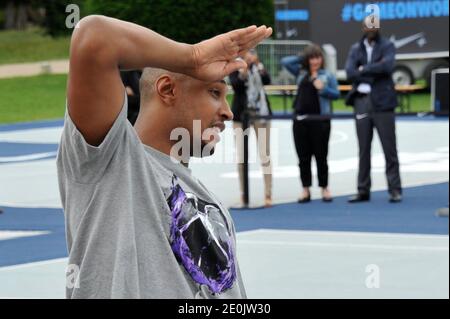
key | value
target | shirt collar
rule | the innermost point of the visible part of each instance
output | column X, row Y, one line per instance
column 367, row 44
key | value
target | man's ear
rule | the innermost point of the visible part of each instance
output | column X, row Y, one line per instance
column 165, row 86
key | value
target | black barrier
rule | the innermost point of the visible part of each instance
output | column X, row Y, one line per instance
column 246, row 119
column 245, row 125
column 229, row 309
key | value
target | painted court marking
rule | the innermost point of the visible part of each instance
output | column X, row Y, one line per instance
column 14, row 234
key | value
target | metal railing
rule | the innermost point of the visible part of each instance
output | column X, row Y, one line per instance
column 270, row 53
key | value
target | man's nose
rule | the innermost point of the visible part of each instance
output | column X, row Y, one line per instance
column 225, row 112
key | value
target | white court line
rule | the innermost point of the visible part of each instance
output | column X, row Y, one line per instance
column 34, row 264
column 24, row 158
column 29, row 206
column 285, row 243
column 342, row 137
column 345, row 234
column 355, row 246
column 12, row 234
column 248, row 232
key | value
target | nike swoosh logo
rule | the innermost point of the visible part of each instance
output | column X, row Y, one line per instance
column 361, row 116
column 301, row 117
column 402, row 42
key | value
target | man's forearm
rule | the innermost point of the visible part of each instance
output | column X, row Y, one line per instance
column 379, row 68
column 292, row 64
column 130, row 46
column 385, row 66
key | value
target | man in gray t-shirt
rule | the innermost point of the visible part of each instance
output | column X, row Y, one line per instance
column 138, row 224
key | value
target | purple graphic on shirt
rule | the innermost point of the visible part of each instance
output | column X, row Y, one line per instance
column 201, row 240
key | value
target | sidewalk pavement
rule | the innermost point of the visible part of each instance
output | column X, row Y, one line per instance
column 36, row 68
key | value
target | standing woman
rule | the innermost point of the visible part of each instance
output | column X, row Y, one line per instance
column 316, row 89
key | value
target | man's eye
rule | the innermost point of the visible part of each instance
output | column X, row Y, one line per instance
column 215, row 92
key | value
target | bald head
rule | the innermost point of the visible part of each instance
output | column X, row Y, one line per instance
column 371, row 23
column 371, row 28
column 147, row 83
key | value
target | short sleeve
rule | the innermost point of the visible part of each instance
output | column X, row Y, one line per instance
column 84, row 163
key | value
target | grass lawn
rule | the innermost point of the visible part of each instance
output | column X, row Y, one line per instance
column 31, row 46
column 420, row 102
column 32, row 98
column 43, row 97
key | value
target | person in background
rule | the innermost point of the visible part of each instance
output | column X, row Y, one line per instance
column 249, row 96
column 316, row 89
column 369, row 67
column 130, row 80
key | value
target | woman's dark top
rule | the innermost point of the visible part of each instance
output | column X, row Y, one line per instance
column 307, row 101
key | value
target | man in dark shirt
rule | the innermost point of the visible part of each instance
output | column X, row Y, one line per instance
column 130, row 80
column 369, row 67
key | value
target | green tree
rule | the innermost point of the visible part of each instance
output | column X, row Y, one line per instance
column 55, row 16
column 183, row 20
column 187, row 20
column 18, row 14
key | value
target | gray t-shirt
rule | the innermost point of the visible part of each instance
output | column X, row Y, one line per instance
column 139, row 225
